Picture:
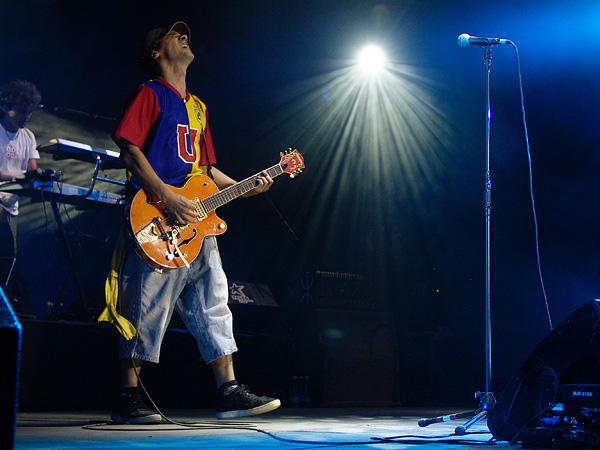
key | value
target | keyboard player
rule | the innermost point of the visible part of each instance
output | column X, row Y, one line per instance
column 18, row 155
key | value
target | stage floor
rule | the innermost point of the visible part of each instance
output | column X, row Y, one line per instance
column 285, row 428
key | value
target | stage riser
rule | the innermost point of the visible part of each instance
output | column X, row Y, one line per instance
column 70, row 366
column 73, row 366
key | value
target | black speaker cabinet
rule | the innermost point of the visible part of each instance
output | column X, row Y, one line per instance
column 10, row 349
column 558, row 382
column 357, row 357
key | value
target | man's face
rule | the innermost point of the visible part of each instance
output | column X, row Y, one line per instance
column 17, row 117
column 174, row 47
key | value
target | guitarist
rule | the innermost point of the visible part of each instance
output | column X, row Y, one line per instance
column 164, row 138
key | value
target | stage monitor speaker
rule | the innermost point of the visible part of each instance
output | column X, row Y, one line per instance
column 558, row 384
column 10, row 349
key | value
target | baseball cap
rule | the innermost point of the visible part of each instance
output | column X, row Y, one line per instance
column 151, row 41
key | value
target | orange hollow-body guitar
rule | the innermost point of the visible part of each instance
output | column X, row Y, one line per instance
column 166, row 245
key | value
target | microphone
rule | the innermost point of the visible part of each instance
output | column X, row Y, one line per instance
column 464, row 40
column 447, row 418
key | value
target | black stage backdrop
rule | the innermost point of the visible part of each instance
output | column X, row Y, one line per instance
column 406, row 213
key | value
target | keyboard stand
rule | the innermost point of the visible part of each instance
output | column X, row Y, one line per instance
column 73, row 257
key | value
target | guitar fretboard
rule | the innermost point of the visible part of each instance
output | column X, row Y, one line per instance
column 234, row 191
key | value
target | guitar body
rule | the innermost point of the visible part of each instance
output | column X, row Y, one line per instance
column 166, row 245
column 162, row 244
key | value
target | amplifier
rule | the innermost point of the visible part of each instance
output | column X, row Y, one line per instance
column 336, row 290
column 575, row 405
column 572, row 422
column 243, row 293
column 255, row 310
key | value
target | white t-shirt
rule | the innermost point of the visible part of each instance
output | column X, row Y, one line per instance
column 14, row 157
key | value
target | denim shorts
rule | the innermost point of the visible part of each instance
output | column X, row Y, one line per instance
column 200, row 293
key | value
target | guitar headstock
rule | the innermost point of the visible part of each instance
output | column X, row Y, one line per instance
column 291, row 162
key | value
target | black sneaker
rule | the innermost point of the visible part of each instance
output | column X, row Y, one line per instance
column 132, row 409
column 236, row 400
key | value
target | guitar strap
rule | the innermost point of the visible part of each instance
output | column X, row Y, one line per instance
column 208, row 164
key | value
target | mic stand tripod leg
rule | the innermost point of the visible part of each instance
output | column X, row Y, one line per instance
column 462, row 429
column 486, row 402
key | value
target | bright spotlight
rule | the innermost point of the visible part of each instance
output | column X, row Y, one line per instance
column 371, row 58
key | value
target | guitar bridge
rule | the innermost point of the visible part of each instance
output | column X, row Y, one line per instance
column 149, row 233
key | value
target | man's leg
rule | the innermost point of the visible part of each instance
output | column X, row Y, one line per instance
column 130, row 401
column 203, row 308
column 130, row 370
column 223, row 370
column 153, row 300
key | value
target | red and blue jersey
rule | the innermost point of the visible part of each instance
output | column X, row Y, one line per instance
column 172, row 132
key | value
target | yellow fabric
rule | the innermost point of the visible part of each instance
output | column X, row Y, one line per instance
column 196, row 112
column 111, row 293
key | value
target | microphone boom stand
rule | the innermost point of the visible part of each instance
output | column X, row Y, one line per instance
column 486, row 399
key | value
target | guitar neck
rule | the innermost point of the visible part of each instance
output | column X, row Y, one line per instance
column 236, row 190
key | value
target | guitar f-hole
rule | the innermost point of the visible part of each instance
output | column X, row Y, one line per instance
column 190, row 239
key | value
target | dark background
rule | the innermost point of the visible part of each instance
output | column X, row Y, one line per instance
column 406, row 212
